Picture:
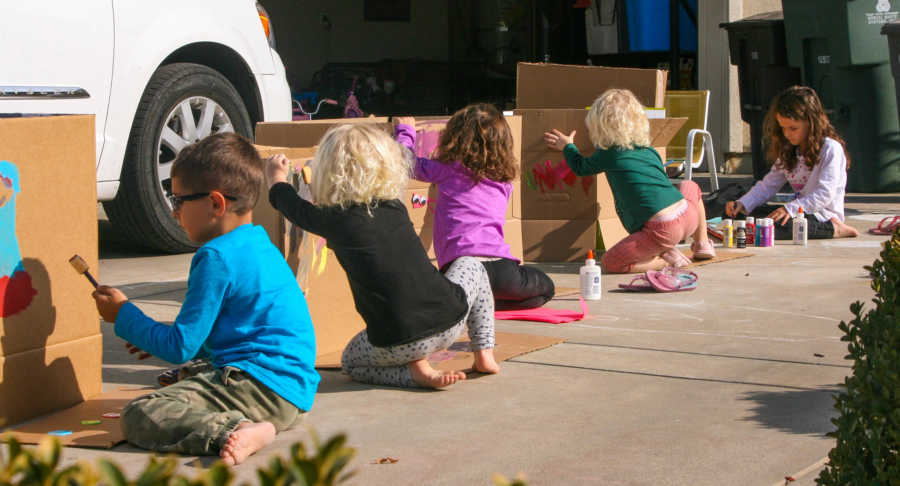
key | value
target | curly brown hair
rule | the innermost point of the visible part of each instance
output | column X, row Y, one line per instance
column 479, row 138
column 799, row 103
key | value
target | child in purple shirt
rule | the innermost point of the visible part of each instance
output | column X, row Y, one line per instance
column 473, row 169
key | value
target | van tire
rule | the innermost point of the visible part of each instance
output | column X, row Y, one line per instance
column 140, row 211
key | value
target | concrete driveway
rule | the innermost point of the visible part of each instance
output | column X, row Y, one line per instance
column 729, row 384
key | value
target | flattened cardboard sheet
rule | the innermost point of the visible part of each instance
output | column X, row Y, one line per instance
column 722, row 255
column 541, row 85
column 458, row 357
column 105, row 435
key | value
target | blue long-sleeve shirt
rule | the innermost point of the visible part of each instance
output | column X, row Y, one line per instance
column 243, row 308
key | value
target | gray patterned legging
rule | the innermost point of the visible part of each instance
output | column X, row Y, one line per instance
column 387, row 366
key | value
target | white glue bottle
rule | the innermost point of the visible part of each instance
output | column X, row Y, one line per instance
column 590, row 278
column 800, row 228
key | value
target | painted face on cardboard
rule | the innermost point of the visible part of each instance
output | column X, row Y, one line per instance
column 795, row 131
column 199, row 217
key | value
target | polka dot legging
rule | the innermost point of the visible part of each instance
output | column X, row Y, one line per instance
column 388, row 366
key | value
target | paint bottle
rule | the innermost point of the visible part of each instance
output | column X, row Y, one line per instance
column 740, row 234
column 727, row 233
column 590, row 278
column 761, row 232
column 800, row 228
column 751, row 231
column 770, row 232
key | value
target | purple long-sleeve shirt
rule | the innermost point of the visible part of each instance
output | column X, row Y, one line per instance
column 469, row 216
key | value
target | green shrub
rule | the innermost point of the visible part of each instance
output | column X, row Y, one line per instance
column 868, row 424
column 38, row 467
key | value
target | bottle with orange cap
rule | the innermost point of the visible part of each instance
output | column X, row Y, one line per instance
column 590, row 278
column 800, row 228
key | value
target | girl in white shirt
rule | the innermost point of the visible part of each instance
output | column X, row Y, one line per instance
column 812, row 157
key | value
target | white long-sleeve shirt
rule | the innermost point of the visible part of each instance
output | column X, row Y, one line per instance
column 821, row 189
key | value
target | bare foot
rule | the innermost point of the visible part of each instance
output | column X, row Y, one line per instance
column 485, row 362
column 842, row 230
column 428, row 377
column 246, row 439
column 656, row 263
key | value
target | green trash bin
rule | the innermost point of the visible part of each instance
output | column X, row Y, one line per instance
column 838, row 46
column 757, row 46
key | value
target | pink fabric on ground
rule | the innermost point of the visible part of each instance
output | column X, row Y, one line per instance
column 543, row 314
column 655, row 237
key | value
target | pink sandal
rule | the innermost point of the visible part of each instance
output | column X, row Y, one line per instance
column 672, row 279
column 893, row 222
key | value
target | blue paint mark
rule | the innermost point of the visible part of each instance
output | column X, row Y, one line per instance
column 10, row 257
column 60, row 432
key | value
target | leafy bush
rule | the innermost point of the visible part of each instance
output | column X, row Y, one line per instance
column 868, row 426
column 38, row 467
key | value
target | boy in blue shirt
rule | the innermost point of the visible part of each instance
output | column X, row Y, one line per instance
column 243, row 310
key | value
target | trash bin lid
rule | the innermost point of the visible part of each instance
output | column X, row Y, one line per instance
column 891, row 28
column 758, row 19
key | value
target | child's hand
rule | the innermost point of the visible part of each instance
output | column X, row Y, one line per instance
column 732, row 208
column 134, row 349
column 557, row 140
column 109, row 300
column 780, row 216
column 277, row 168
column 406, row 120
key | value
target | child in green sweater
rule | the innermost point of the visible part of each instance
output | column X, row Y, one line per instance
column 655, row 213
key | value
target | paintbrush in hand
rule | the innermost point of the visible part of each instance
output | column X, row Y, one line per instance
column 81, row 267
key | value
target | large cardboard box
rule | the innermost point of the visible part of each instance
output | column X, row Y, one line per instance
column 551, row 191
column 50, row 344
column 540, row 85
column 558, row 240
column 306, row 133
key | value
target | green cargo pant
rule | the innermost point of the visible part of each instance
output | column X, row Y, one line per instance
column 197, row 415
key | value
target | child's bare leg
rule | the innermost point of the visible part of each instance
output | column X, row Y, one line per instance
column 700, row 233
column 245, row 440
column 485, row 362
column 655, row 263
column 842, row 230
column 428, row 377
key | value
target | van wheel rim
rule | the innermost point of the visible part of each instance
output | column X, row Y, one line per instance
column 190, row 121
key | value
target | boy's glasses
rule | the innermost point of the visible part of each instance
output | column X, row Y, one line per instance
column 176, row 200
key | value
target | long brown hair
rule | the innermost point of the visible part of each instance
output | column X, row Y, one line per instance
column 480, row 139
column 799, row 103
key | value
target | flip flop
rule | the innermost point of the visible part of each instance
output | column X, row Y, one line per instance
column 638, row 284
column 893, row 222
column 672, row 279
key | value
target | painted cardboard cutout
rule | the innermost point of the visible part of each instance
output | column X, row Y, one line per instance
column 16, row 290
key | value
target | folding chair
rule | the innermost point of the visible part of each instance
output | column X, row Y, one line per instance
column 694, row 105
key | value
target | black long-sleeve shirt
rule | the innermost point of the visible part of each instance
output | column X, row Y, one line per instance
column 399, row 294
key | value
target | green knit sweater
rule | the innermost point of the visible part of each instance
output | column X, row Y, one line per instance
column 637, row 179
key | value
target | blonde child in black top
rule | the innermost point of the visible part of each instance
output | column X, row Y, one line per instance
column 411, row 310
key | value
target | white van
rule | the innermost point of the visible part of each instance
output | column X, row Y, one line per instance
column 158, row 76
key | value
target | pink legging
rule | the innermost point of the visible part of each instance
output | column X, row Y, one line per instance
column 655, row 237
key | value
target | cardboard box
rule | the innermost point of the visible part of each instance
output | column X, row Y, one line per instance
column 263, row 213
column 46, row 379
column 550, row 190
column 307, row 133
column 49, row 339
column 512, row 235
column 540, row 85
column 558, row 240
